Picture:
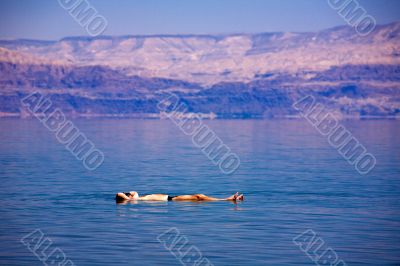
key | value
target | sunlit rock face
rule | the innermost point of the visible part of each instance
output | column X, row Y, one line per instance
column 239, row 75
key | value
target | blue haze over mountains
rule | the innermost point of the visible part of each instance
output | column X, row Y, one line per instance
column 232, row 76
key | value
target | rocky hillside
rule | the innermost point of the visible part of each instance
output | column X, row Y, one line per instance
column 239, row 75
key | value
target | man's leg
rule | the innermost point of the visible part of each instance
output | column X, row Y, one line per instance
column 202, row 197
column 186, row 198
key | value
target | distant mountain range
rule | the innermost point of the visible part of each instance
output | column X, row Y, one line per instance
column 232, row 76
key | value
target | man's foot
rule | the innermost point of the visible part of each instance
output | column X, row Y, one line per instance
column 233, row 197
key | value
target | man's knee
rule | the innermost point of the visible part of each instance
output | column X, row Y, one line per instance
column 200, row 196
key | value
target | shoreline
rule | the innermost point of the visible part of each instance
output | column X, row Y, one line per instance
column 152, row 116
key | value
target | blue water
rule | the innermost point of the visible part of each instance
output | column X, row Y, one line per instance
column 292, row 179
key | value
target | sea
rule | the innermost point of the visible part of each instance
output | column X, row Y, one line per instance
column 304, row 203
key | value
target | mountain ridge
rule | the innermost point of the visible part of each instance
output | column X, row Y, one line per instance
column 232, row 76
column 334, row 28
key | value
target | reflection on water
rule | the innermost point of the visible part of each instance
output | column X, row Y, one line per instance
column 292, row 179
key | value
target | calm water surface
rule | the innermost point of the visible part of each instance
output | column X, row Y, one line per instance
column 293, row 181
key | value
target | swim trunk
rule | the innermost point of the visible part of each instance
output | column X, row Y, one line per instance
column 170, row 197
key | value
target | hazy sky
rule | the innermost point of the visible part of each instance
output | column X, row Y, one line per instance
column 46, row 19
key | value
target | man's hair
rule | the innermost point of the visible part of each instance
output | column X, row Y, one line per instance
column 118, row 198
